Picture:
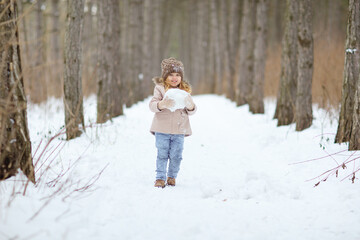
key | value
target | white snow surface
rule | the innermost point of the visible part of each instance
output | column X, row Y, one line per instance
column 178, row 96
column 237, row 179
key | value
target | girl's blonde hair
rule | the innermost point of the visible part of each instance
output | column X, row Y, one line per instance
column 184, row 85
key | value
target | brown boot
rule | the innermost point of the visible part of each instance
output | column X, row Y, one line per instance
column 170, row 181
column 159, row 183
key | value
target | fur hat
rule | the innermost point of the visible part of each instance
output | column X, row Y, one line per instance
column 171, row 65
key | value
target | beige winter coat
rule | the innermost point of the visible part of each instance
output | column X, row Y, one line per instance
column 165, row 121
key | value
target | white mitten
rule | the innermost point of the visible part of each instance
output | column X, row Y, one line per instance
column 166, row 103
column 189, row 103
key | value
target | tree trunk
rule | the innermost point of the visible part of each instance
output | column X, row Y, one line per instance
column 224, row 57
column 73, row 97
column 305, row 45
column 351, row 74
column 15, row 145
column 194, row 47
column 117, row 99
column 23, row 29
column 147, row 48
column 103, row 71
column 89, row 48
column 201, row 45
column 157, row 56
column 334, row 18
column 246, row 58
column 135, row 41
column 167, row 17
column 109, row 101
column 214, row 50
column 56, row 56
column 275, row 19
column 256, row 103
column 125, row 48
column 38, row 81
column 233, row 42
column 184, row 52
column 286, row 100
column 355, row 133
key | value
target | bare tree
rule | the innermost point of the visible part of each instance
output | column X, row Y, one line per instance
column 351, row 74
column 303, row 114
column 125, row 48
column 109, row 95
column 334, row 23
column 329, row 18
column 15, row 145
column 224, row 55
column 214, row 51
column 246, row 57
column 134, row 58
column 234, row 13
column 56, row 56
column 184, row 53
column 355, row 132
column 256, row 103
column 147, row 48
column 118, row 87
column 157, row 31
column 275, row 19
column 286, row 99
column 354, row 143
column 201, row 46
column 194, row 46
column 197, row 50
column 73, row 97
column 104, row 62
column 167, row 21
column 38, row 81
column 89, row 47
column 23, row 29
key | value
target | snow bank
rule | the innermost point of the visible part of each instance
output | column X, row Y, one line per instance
column 237, row 180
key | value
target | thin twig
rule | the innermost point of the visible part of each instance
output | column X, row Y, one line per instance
column 315, row 159
column 88, row 185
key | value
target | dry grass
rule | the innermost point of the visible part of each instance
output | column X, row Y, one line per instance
column 54, row 179
column 272, row 71
column 327, row 77
column 328, row 73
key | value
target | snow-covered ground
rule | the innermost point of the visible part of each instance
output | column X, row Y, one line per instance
column 237, row 180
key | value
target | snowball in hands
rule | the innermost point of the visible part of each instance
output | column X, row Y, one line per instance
column 178, row 96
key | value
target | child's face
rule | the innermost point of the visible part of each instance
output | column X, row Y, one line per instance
column 173, row 79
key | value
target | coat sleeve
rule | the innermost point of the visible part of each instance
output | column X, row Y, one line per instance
column 153, row 105
column 192, row 111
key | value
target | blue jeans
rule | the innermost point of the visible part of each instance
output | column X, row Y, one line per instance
column 170, row 147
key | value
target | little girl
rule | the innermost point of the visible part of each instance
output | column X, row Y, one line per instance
column 169, row 127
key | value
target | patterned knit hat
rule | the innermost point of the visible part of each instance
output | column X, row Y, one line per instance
column 171, row 65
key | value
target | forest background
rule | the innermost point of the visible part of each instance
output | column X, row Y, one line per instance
column 150, row 30
column 243, row 49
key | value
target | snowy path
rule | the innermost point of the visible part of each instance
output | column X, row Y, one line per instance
column 235, row 181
